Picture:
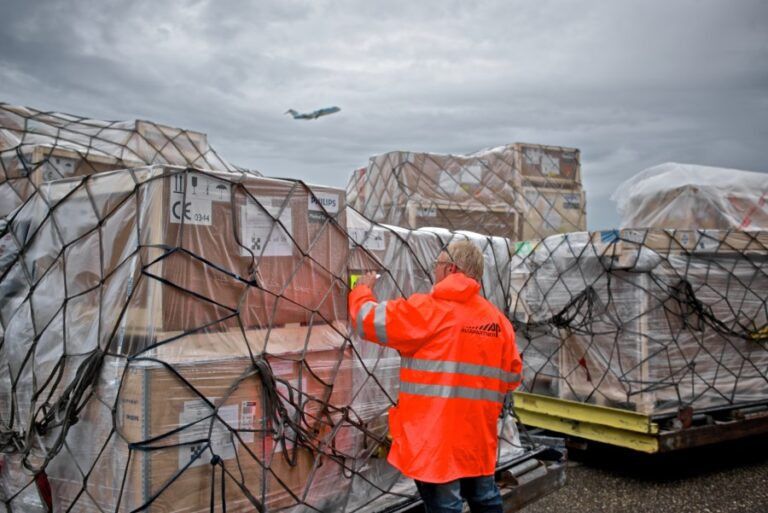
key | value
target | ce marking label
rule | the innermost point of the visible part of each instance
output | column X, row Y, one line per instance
column 192, row 211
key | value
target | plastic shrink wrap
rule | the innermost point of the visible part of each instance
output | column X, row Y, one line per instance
column 37, row 146
column 691, row 197
column 176, row 339
column 647, row 320
column 517, row 191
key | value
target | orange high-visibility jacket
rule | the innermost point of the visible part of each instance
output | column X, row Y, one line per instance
column 458, row 359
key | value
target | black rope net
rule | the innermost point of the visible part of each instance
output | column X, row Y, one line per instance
column 519, row 191
column 649, row 320
column 37, row 146
column 176, row 339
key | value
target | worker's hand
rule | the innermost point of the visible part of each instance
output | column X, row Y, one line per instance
column 368, row 278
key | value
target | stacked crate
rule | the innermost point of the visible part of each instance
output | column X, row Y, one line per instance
column 37, row 147
column 553, row 197
column 648, row 320
column 190, row 277
column 518, row 191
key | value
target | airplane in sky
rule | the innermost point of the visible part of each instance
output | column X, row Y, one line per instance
column 314, row 114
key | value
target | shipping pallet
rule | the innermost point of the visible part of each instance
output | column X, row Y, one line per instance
column 638, row 431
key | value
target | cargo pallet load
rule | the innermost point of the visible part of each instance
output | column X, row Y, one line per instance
column 652, row 339
column 176, row 338
column 519, row 191
column 37, row 146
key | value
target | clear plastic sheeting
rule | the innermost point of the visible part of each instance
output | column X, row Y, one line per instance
column 518, row 191
column 177, row 339
column 692, row 197
column 646, row 320
column 36, row 147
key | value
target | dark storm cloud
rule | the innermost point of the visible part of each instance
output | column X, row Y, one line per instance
column 631, row 84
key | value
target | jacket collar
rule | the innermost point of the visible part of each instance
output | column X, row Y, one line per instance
column 456, row 287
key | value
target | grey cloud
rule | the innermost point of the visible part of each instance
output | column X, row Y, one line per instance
column 632, row 84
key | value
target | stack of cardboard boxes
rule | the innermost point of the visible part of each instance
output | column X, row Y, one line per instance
column 554, row 199
column 36, row 147
column 647, row 320
column 193, row 277
column 519, row 191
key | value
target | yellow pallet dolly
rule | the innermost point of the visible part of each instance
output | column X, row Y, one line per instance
column 633, row 430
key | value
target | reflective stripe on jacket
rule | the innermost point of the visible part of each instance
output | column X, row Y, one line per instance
column 458, row 360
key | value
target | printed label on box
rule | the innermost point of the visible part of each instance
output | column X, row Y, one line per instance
column 190, row 210
column 467, row 179
column 572, row 201
column 532, row 156
column 323, row 200
column 633, row 235
column 200, row 186
column 222, row 441
column 260, row 233
column 59, row 167
column 550, row 165
column 369, row 239
column 248, row 418
column 426, row 212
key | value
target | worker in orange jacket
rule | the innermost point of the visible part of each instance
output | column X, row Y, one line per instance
column 459, row 362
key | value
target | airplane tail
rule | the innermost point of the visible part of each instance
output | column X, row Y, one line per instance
column 291, row 112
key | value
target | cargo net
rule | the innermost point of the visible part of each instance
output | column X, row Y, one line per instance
column 655, row 321
column 177, row 340
column 519, row 191
column 36, row 147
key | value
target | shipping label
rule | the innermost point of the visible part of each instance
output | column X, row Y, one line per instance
column 572, row 201
column 262, row 234
column 532, row 156
column 248, row 420
column 59, row 167
column 222, row 441
column 550, row 165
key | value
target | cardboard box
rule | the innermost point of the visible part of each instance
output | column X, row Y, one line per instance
column 484, row 180
column 550, row 211
column 22, row 172
column 499, row 222
column 168, row 412
column 548, row 166
column 212, row 251
column 698, row 207
column 685, row 331
column 160, row 143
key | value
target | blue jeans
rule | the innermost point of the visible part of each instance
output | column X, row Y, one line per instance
column 481, row 493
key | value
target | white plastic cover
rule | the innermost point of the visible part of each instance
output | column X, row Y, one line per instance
column 690, row 197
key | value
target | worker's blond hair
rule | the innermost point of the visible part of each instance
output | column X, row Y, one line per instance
column 467, row 257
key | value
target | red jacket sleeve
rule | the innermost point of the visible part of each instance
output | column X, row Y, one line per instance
column 402, row 324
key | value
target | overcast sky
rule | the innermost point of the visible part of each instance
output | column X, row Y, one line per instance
column 630, row 83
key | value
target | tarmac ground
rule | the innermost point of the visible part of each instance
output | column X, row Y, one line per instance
column 721, row 478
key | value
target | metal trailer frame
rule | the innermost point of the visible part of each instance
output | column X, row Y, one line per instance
column 645, row 433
